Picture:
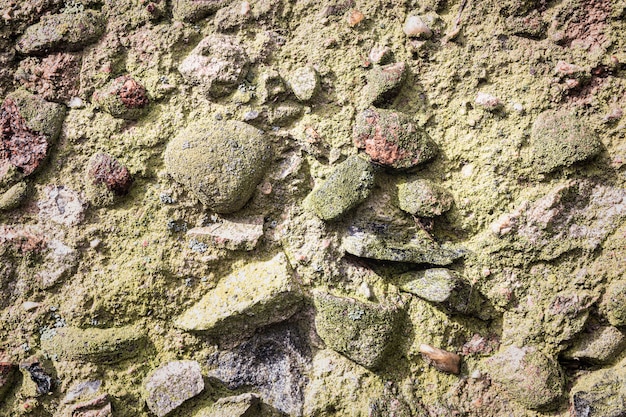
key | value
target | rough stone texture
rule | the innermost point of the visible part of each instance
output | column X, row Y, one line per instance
column 559, row 139
column 61, row 205
column 613, row 304
column 68, row 31
column 303, row 82
column 423, row 198
column 124, row 98
column 244, row 405
column 171, row 385
column 193, row 10
column 38, row 377
column 221, row 163
column 600, row 393
column 270, row 85
column 231, row 234
column 527, row 375
column 98, row 345
column 362, row 331
column 14, row 196
column 257, row 294
column 105, row 170
column 97, row 407
column 347, row 186
column 601, row 345
column 383, row 83
column 392, row 139
column 434, row 284
column 7, row 374
column 55, row 78
column 59, row 262
column 216, row 65
column 274, row 363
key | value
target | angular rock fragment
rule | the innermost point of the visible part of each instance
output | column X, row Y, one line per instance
column 96, row 407
column 59, row 262
column 274, row 363
column 383, row 83
column 235, row 234
column 98, row 345
column 423, row 198
column 123, row 98
column 561, row 139
column 435, row 284
column 67, row 31
column 270, row 85
column 303, row 82
column 61, row 205
column 221, row 163
column 257, row 294
column 598, row 346
column 216, row 65
column 392, row 139
column 244, row 405
column 347, row 186
column 171, row 385
column 55, row 78
column 600, row 393
column 41, row 382
column 613, row 304
column 441, row 359
column 363, row 332
column 531, row 378
column 107, row 179
column 194, row 10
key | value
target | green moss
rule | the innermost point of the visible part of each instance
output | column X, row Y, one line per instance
column 192, row 11
column 600, row 393
column 40, row 115
column 423, row 198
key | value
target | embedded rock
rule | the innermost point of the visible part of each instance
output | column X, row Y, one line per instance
column 347, row 186
column 55, row 78
column 171, row 385
column 531, row 378
column 235, row 234
column 392, row 139
column 96, row 407
column 61, row 205
column 67, row 31
column 423, row 198
column 221, row 163
column 303, row 82
column 598, row 346
column 123, row 98
column 613, row 304
column 435, row 284
column 107, row 179
column 193, row 10
column 274, row 363
column 14, row 196
column 38, row 377
column 216, row 65
column 244, row 405
column 600, row 393
column 362, row 331
column 255, row 295
column 270, row 85
column 94, row 345
column 560, row 139
column 383, row 83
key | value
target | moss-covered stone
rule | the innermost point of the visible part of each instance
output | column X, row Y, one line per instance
column 40, row 115
column 123, row 98
column 529, row 377
column 423, row 198
column 67, row 31
column 304, row 82
column 347, row 186
column 601, row 393
column 171, row 385
column 613, row 304
column 598, row 346
column 362, row 331
column 434, row 284
column 392, row 138
column 559, row 139
column 14, row 196
column 257, row 294
column 193, row 10
column 221, row 163
column 244, row 405
column 383, row 83
column 93, row 344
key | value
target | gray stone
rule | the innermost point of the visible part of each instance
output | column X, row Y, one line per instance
column 221, row 163
column 59, row 263
column 61, row 205
column 171, row 385
column 216, row 65
column 423, row 198
column 273, row 363
column 435, row 284
column 255, row 295
column 347, row 186
column 362, row 331
column 82, row 390
column 303, row 82
column 598, row 346
column 600, row 393
column 529, row 377
column 383, row 83
column 559, row 139
column 231, row 234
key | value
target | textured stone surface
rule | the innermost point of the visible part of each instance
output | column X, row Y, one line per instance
column 600, row 345
column 347, row 186
column 600, row 393
column 171, row 385
column 220, row 162
column 383, row 83
column 257, row 294
column 392, row 139
column 193, row 10
column 231, row 234
column 303, row 82
column 124, row 98
column 244, row 405
column 614, row 303
column 434, row 284
column 423, row 198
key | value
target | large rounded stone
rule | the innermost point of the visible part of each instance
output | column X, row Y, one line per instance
column 220, row 163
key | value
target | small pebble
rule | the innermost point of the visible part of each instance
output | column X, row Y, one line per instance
column 379, row 54
column 30, row 305
column 488, row 101
column 415, row 27
column 355, row 17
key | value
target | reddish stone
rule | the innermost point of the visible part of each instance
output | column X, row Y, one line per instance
column 392, row 139
column 19, row 145
column 132, row 94
column 55, row 77
column 98, row 407
column 106, row 170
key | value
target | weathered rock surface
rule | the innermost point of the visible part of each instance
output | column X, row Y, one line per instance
column 392, row 139
column 244, row 405
column 613, row 304
column 600, row 393
column 527, row 375
column 107, row 179
column 171, row 385
column 231, row 234
column 100, row 345
column 55, row 78
column 303, row 82
column 61, row 205
column 362, row 331
column 193, row 10
column 123, row 97
column 7, row 374
column 216, row 65
column 423, row 198
column 274, row 363
column 434, row 284
column 383, row 83
column 257, row 294
column 598, row 346
column 560, row 139
column 347, row 186
column 221, row 163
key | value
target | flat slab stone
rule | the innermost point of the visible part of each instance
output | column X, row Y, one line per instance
column 171, row 385
column 235, row 234
column 257, row 294
column 434, row 284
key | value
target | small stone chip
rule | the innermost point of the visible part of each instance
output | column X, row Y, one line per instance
column 303, row 82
